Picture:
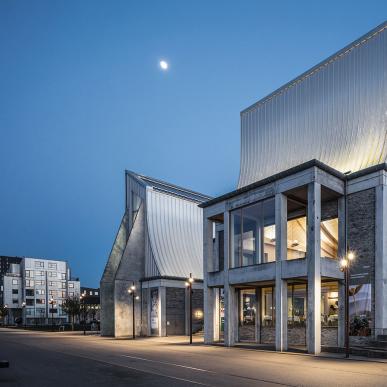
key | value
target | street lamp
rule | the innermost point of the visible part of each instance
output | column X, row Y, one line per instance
column 6, row 313
column 24, row 313
column 132, row 292
column 189, row 284
column 52, row 302
column 345, row 265
column 82, row 301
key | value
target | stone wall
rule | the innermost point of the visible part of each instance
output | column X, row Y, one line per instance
column 246, row 333
column 175, row 311
column 267, row 335
column 361, row 239
column 197, row 305
column 297, row 336
column 329, row 336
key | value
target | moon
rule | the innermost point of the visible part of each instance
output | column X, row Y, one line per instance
column 164, row 65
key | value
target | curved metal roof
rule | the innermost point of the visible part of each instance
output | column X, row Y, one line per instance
column 336, row 113
column 175, row 229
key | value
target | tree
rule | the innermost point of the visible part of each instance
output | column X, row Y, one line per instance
column 3, row 312
column 71, row 306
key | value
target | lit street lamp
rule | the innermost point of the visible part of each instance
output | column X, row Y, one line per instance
column 52, row 303
column 82, row 301
column 345, row 265
column 188, row 284
column 24, row 313
column 6, row 313
column 132, row 292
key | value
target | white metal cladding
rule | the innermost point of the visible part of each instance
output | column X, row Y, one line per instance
column 336, row 113
column 175, row 233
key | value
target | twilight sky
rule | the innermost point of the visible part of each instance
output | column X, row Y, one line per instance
column 82, row 98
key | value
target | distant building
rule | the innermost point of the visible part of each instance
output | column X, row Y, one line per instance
column 91, row 299
column 30, row 285
column 158, row 245
column 5, row 267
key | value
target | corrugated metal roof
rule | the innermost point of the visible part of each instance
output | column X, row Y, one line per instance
column 336, row 113
column 175, row 228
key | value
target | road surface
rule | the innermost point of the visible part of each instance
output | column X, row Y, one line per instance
column 66, row 359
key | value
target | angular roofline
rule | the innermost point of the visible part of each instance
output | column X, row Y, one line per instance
column 291, row 171
column 169, row 188
column 356, row 43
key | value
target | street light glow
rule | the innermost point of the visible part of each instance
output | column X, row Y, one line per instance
column 351, row 255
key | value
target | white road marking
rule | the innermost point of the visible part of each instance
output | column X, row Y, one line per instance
column 168, row 363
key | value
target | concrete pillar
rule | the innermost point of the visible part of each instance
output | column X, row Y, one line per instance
column 258, row 297
column 381, row 260
column 230, row 315
column 341, row 253
column 208, row 293
column 281, row 292
column 314, row 269
column 163, row 310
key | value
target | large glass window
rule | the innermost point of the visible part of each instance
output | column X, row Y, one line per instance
column 268, row 231
column 296, row 229
column 329, row 304
column 250, row 245
column 236, row 231
column 253, row 234
column 247, row 314
column 329, row 238
column 268, row 307
column 297, row 302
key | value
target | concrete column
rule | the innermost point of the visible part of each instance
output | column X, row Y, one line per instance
column 216, row 315
column 381, row 260
column 341, row 253
column 230, row 315
column 281, row 291
column 314, row 269
column 208, row 293
column 258, row 315
column 163, row 310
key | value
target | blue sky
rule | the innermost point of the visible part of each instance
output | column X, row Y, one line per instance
column 82, row 99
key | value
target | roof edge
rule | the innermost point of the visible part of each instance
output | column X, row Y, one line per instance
column 349, row 47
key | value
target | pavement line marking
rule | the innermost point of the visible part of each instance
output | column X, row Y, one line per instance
column 168, row 363
column 212, row 372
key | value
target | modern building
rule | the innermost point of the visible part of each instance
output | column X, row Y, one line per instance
column 312, row 188
column 32, row 284
column 5, row 267
column 158, row 245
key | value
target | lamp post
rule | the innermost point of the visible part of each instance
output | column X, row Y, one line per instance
column 6, row 313
column 82, row 302
column 188, row 284
column 345, row 265
column 52, row 302
column 132, row 292
column 24, row 313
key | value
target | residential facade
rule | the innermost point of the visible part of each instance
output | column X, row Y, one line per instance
column 157, row 247
column 34, row 291
column 312, row 188
column 91, row 300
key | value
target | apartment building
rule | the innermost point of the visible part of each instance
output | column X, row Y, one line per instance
column 35, row 289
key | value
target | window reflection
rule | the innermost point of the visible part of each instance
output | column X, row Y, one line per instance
column 253, row 234
column 329, row 238
column 268, row 307
column 296, row 238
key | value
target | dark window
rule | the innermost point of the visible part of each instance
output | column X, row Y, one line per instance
column 15, row 291
column 15, row 301
column 29, row 292
column 30, row 302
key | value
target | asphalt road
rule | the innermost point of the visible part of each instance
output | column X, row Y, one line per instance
column 62, row 359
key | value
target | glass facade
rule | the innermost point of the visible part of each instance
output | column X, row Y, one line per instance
column 253, row 234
